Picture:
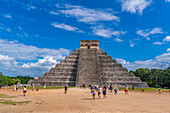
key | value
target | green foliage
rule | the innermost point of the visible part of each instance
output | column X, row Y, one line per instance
column 154, row 77
column 4, row 80
column 22, row 79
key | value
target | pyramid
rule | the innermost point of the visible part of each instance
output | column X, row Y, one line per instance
column 88, row 65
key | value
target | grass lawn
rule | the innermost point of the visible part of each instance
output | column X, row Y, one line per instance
column 10, row 102
column 146, row 89
column 39, row 87
column 6, row 96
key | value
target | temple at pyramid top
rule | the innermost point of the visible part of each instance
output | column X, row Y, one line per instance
column 89, row 44
column 88, row 65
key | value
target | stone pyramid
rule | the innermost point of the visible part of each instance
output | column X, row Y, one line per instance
column 88, row 65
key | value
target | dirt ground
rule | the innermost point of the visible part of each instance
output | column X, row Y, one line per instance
column 80, row 101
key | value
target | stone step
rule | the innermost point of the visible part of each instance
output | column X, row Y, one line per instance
column 69, row 67
column 72, row 57
column 114, row 69
column 53, row 70
column 121, row 79
column 61, row 74
column 125, row 74
column 66, row 64
column 54, row 83
column 120, row 82
column 74, row 53
column 60, row 78
column 68, row 61
column 109, row 64
column 129, row 84
column 107, row 61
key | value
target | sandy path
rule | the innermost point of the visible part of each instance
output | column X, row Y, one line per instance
column 80, row 101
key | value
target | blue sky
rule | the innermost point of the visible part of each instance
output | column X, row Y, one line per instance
column 37, row 34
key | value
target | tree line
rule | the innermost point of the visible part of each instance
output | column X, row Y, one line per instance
column 154, row 77
column 5, row 80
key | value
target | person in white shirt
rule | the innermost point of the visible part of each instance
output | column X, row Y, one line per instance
column 99, row 92
column 25, row 90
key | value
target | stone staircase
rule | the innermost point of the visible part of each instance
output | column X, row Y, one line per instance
column 62, row 74
column 113, row 73
column 87, row 72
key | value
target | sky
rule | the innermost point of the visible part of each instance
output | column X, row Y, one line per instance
column 37, row 34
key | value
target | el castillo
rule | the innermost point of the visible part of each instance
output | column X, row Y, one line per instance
column 88, row 65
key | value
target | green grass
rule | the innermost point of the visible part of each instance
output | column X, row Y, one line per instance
column 10, row 102
column 146, row 89
column 6, row 96
column 22, row 102
column 41, row 87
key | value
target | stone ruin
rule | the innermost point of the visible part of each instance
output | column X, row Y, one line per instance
column 88, row 65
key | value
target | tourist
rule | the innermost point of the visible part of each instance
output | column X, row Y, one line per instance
column 91, row 87
column 84, row 87
column 111, row 88
column 126, row 89
column 141, row 88
column 25, row 90
column 66, row 88
column 16, row 87
column 133, row 87
column 115, row 90
column 159, row 90
column 33, row 87
column 95, row 87
column 99, row 92
column 94, row 93
column 104, row 92
column 0, row 86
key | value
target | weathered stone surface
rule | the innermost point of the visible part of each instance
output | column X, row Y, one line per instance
column 88, row 65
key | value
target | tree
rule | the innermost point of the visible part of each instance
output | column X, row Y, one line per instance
column 166, row 78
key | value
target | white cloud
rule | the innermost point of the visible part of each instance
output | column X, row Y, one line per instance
column 167, row 39
column 117, row 39
column 121, row 61
column 7, row 16
column 164, row 58
column 146, row 33
column 168, row 50
column 107, row 33
column 27, row 60
column 24, row 52
column 131, row 44
column 158, row 43
column 167, row 0
column 47, row 62
column 158, row 62
column 54, row 13
column 30, row 7
column 5, row 58
column 135, row 5
column 87, row 15
column 66, row 27
column 151, row 64
column 8, row 29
